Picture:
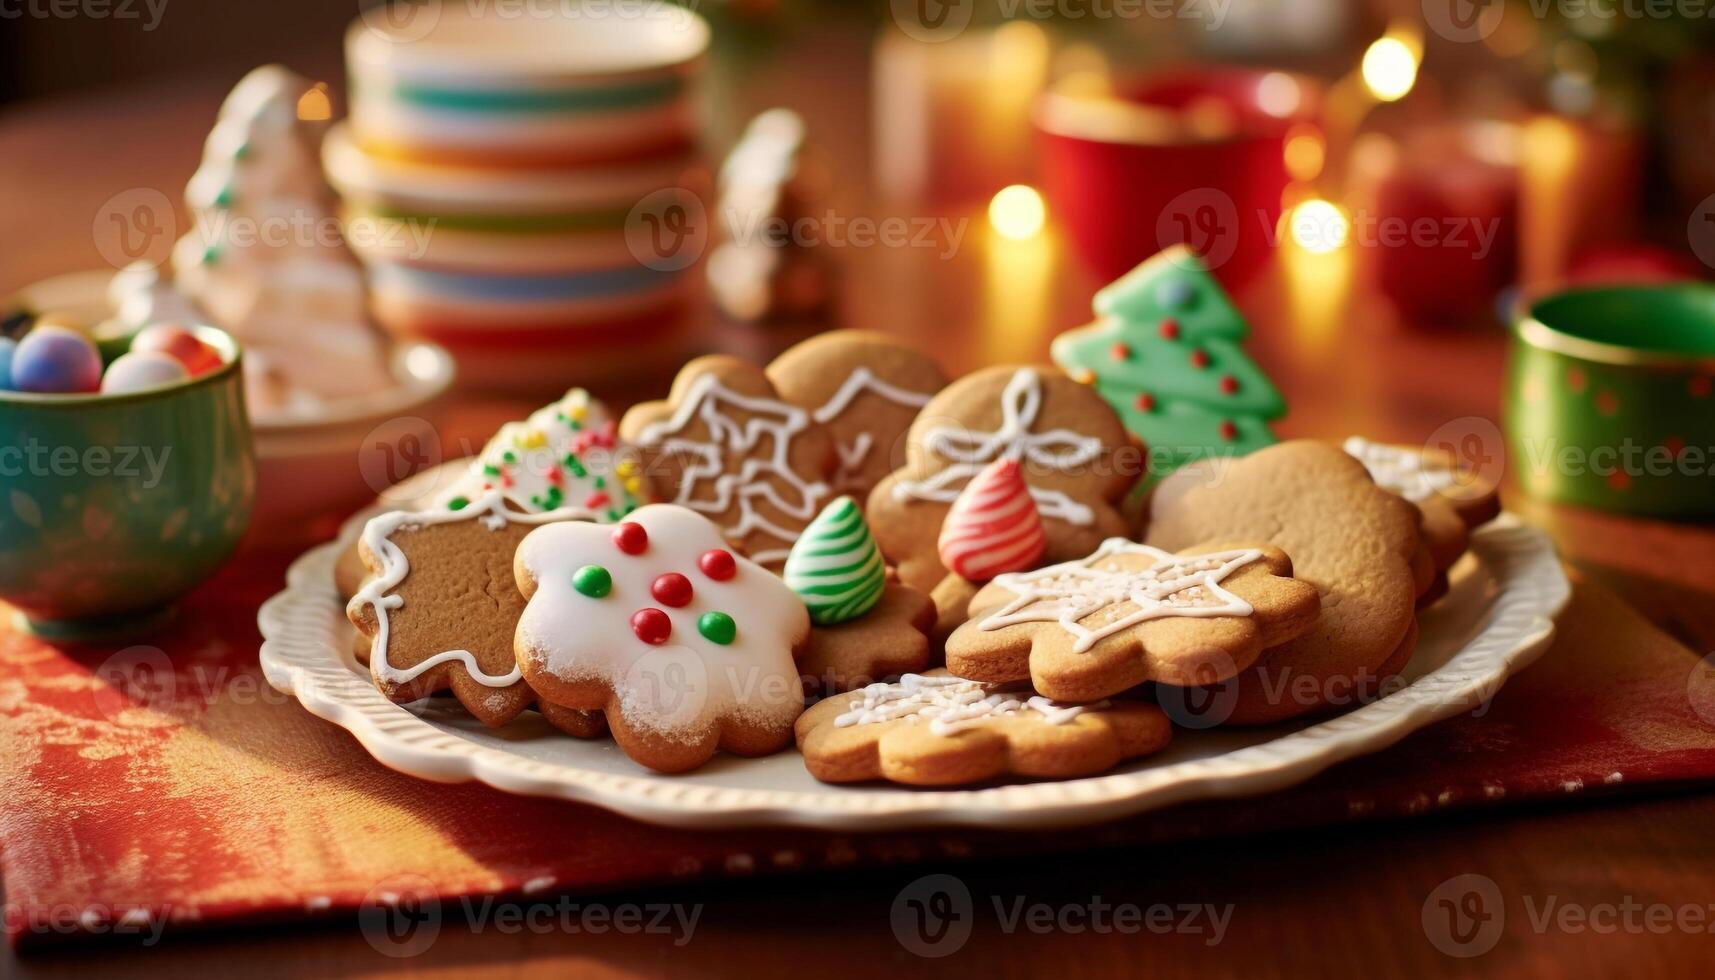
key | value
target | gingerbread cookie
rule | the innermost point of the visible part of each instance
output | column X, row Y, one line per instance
column 439, row 606
column 685, row 646
column 866, row 388
column 865, row 627
column 1349, row 538
column 565, row 453
column 1129, row 613
column 938, row 730
column 1075, row 455
column 736, row 453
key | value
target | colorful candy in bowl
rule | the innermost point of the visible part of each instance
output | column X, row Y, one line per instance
column 118, row 494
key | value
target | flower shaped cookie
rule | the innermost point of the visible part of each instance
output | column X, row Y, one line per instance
column 686, row 646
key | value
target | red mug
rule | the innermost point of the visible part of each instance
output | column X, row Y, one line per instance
column 1193, row 155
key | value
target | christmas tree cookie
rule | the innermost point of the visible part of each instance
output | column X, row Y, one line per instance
column 1164, row 352
column 565, row 454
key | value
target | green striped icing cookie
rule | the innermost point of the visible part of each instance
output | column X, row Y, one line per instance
column 835, row 566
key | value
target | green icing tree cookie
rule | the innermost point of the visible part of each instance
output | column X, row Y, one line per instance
column 1164, row 352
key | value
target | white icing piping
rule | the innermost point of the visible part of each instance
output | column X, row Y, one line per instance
column 702, row 400
column 951, row 704
column 377, row 534
column 856, row 383
column 1402, row 471
column 1057, row 449
column 1174, row 585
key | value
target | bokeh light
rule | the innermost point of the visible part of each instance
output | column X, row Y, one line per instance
column 1017, row 212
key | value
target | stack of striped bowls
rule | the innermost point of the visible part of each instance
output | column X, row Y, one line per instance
column 506, row 173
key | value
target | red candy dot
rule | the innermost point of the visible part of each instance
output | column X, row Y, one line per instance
column 1619, row 480
column 651, row 625
column 1230, row 385
column 1700, row 386
column 1674, row 446
column 671, row 589
column 1145, row 402
column 717, row 564
column 1575, row 380
column 596, row 501
column 1169, row 329
column 1200, row 358
column 1119, row 352
column 1229, row 431
column 1607, row 403
column 630, row 538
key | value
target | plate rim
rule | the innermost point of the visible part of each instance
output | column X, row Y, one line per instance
column 1531, row 589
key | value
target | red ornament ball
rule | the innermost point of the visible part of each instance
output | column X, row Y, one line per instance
column 651, row 625
column 1229, row 431
column 1145, row 402
column 1230, row 385
column 1169, row 329
column 1119, row 352
column 180, row 344
column 717, row 564
column 630, row 538
column 1199, row 358
column 671, row 589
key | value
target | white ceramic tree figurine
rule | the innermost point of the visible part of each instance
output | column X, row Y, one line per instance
column 265, row 258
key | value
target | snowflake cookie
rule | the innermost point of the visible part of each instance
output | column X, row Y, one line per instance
column 736, row 453
column 1088, row 629
column 684, row 645
column 438, row 608
column 935, row 729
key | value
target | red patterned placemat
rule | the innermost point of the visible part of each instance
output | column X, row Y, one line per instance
column 193, row 795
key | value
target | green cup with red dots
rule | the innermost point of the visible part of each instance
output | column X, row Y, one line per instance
column 1611, row 399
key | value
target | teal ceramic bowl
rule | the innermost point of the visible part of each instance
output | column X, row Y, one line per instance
column 114, row 506
column 1611, row 399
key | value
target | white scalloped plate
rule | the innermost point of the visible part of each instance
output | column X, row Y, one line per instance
column 1497, row 618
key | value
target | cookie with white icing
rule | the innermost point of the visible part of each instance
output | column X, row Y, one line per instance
column 686, row 646
column 1076, row 458
column 565, row 454
column 866, row 388
column 1128, row 613
column 439, row 606
column 730, row 448
column 935, row 729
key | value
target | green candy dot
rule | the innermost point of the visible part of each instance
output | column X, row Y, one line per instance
column 593, row 581
column 210, row 255
column 717, row 627
column 458, row 503
column 224, row 198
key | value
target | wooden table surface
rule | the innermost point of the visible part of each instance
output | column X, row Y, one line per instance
column 1350, row 901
